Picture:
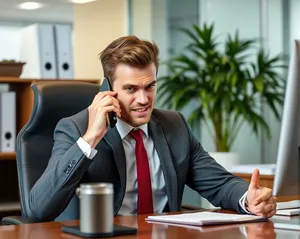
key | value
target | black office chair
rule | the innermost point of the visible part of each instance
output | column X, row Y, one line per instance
column 53, row 100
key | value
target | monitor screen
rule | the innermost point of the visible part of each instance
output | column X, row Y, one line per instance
column 287, row 175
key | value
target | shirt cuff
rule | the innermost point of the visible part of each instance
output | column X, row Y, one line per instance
column 242, row 203
column 86, row 149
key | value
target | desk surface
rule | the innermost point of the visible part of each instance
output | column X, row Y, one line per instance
column 153, row 230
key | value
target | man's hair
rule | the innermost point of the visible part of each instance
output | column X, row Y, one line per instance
column 129, row 50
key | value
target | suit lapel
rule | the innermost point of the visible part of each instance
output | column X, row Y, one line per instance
column 113, row 138
column 163, row 151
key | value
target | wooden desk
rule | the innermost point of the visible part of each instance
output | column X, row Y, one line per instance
column 267, row 181
column 52, row 230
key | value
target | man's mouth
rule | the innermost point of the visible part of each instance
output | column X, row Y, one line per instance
column 141, row 109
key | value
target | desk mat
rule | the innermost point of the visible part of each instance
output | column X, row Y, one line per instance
column 117, row 231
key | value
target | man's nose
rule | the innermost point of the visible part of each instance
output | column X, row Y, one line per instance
column 142, row 97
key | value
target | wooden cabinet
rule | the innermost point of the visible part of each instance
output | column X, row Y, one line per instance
column 9, row 194
column 267, row 181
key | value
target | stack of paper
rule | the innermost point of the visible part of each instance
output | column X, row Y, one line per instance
column 288, row 204
column 205, row 218
column 282, row 222
column 265, row 169
column 289, row 208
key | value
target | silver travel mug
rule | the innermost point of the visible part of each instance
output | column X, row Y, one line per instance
column 96, row 207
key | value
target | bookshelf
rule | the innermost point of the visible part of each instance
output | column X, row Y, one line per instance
column 9, row 193
column 7, row 156
column 24, row 102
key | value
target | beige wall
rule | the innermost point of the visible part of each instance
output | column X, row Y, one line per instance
column 96, row 24
column 142, row 19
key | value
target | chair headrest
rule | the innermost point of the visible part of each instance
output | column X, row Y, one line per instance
column 54, row 100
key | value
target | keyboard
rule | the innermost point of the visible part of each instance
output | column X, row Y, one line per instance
column 288, row 205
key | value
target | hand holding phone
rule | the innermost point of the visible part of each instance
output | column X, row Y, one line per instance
column 111, row 117
column 101, row 112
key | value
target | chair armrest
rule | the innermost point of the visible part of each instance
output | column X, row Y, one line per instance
column 16, row 220
column 190, row 207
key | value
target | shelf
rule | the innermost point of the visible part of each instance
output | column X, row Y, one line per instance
column 10, row 206
column 8, row 156
column 4, row 79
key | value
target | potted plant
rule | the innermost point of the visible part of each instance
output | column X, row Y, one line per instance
column 228, row 85
column 11, row 68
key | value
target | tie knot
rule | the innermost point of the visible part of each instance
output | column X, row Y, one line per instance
column 137, row 135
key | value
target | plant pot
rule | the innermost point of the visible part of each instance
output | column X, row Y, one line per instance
column 226, row 159
column 11, row 69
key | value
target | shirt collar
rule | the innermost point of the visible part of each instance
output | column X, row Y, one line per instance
column 124, row 128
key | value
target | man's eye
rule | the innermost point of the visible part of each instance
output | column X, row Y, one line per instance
column 129, row 89
column 151, row 86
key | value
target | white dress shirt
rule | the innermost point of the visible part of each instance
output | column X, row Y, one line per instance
column 159, row 194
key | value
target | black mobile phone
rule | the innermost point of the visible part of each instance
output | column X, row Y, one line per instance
column 111, row 118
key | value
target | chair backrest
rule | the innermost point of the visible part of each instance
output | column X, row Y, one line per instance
column 53, row 100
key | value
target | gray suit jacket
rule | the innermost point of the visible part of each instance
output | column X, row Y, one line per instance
column 182, row 157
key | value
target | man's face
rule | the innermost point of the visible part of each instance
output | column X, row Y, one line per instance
column 136, row 90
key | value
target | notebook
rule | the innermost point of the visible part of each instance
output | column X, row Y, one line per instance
column 205, row 218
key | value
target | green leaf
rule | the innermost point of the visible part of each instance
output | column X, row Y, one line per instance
column 259, row 83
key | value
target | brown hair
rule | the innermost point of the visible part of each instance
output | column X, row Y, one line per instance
column 129, row 50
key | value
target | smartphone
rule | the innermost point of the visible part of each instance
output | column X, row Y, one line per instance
column 111, row 117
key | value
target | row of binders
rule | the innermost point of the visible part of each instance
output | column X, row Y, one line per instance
column 47, row 51
column 7, row 121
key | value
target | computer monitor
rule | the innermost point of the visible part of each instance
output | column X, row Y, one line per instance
column 287, row 176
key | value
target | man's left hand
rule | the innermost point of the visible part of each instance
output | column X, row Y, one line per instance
column 260, row 200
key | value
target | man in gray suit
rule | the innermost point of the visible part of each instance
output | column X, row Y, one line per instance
column 87, row 150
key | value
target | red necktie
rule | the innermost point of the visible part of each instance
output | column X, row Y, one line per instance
column 145, row 202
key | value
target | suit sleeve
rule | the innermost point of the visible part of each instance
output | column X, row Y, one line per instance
column 67, row 165
column 211, row 180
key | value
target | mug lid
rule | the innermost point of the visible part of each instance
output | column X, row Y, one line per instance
column 96, row 188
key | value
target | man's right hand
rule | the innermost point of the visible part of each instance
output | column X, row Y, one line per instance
column 103, row 103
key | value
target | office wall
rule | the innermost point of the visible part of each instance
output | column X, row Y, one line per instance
column 10, row 41
column 96, row 24
column 181, row 14
column 142, row 18
column 223, row 14
column 160, row 36
column 274, row 38
column 294, row 19
column 149, row 21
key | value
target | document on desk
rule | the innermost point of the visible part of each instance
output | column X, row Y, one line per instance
column 205, row 218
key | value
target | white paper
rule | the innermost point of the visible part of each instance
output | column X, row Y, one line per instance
column 288, row 212
column 288, row 204
column 205, row 218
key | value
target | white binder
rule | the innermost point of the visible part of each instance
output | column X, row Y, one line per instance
column 64, row 57
column 7, row 121
column 38, row 51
